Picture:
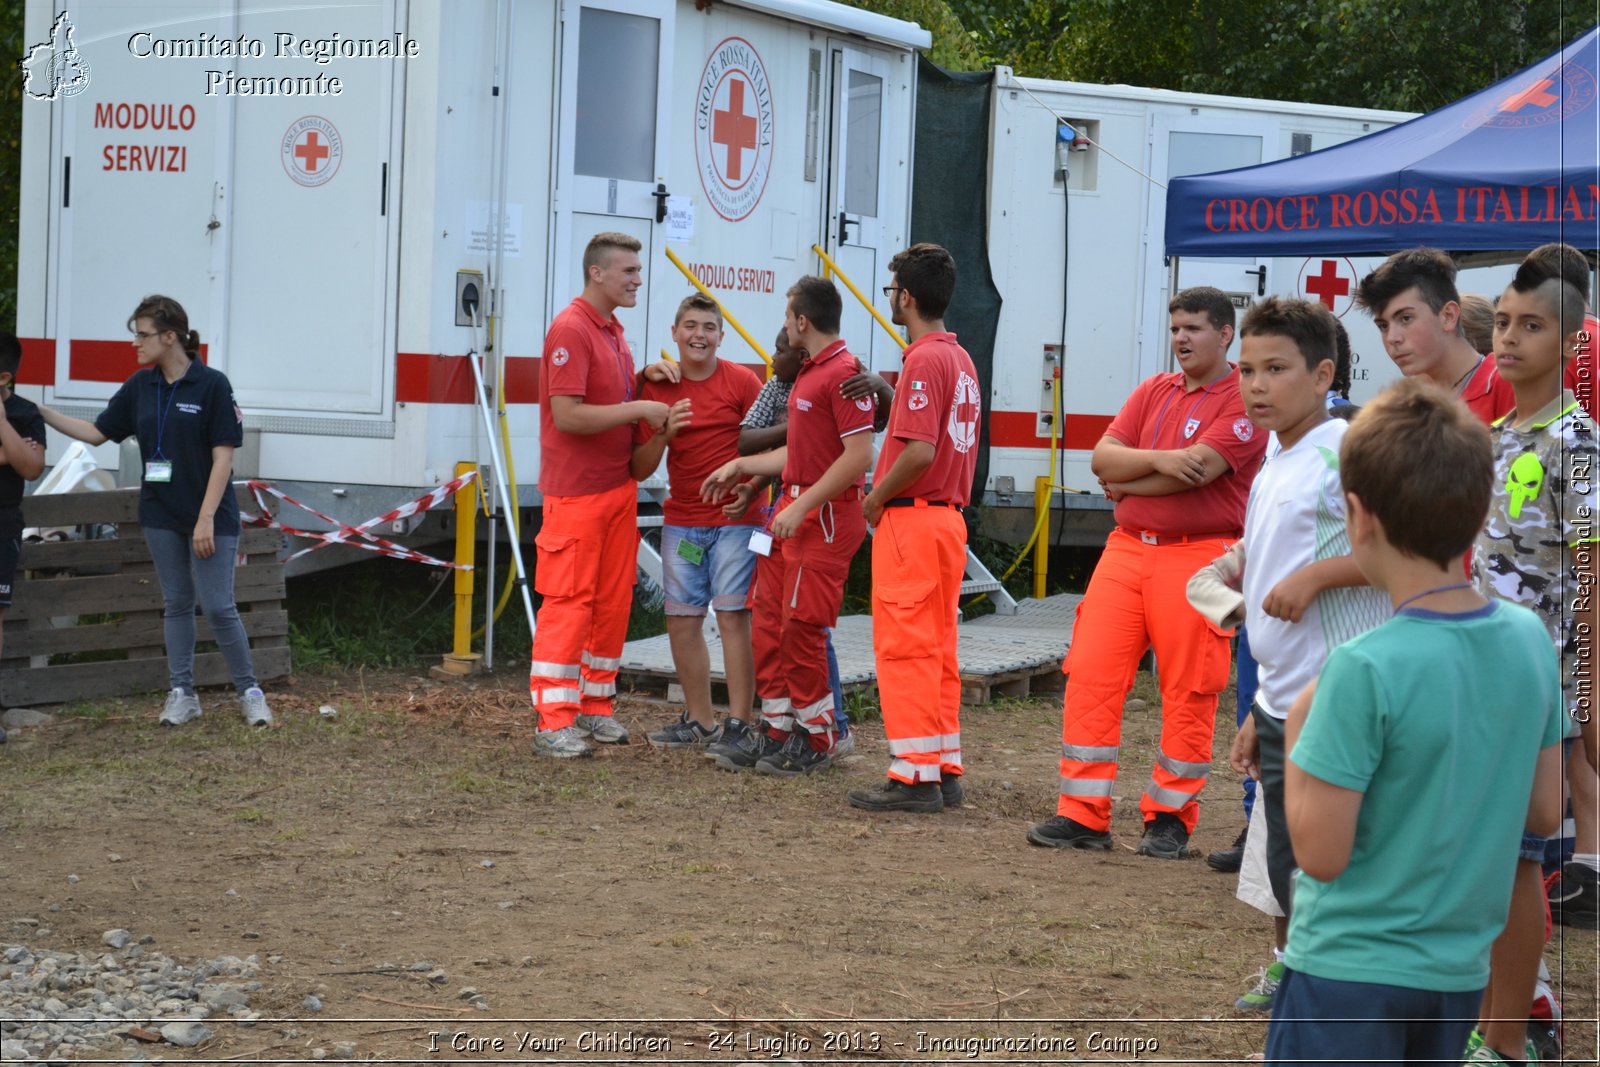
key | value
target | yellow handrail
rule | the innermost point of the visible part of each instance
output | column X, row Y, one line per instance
column 727, row 316
column 850, row 285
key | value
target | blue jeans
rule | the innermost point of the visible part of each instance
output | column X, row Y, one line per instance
column 1246, row 686
column 1327, row 1022
column 841, row 721
column 722, row 577
column 184, row 575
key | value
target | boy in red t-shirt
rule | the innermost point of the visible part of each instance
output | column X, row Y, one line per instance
column 705, row 554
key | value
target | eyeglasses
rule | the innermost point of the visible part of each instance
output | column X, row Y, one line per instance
column 890, row 290
column 146, row 335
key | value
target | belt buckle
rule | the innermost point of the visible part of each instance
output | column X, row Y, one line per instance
column 1149, row 538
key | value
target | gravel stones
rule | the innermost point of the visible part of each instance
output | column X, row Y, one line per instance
column 58, row 1006
column 186, row 1035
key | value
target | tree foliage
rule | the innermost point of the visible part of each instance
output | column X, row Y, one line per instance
column 10, row 158
column 954, row 48
column 1412, row 56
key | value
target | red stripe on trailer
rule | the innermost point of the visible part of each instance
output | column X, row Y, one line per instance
column 87, row 361
column 421, row 378
column 424, row 378
column 101, row 361
column 38, row 361
column 522, row 379
column 1020, row 429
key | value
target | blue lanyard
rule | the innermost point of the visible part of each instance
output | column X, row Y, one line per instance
column 1155, row 439
column 162, row 413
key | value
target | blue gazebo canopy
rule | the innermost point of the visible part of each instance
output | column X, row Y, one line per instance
column 1510, row 167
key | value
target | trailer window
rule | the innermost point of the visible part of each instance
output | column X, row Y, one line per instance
column 1203, row 153
column 617, row 72
column 863, row 137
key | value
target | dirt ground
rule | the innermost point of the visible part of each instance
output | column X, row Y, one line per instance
column 664, row 908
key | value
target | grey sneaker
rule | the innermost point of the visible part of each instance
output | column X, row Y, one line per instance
column 256, row 712
column 684, row 733
column 742, row 745
column 844, row 744
column 180, row 708
column 565, row 743
column 603, row 728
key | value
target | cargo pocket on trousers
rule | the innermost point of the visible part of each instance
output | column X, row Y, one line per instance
column 898, row 609
column 1077, row 628
column 556, row 573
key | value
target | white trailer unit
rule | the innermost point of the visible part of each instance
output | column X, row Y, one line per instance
column 1099, row 194
column 308, row 180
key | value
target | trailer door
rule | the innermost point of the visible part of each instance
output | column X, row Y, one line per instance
column 616, row 62
column 1184, row 143
column 135, row 183
column 311, row 231
column 859, row 200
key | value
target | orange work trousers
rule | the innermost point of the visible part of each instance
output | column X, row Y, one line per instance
column 1137, row 600
column 587, row 560
column 919, row 555
column 808, row 592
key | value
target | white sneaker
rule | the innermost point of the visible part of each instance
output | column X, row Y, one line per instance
column 180, row 708
column 256, row 712
column 603, row 728
column 565, row 743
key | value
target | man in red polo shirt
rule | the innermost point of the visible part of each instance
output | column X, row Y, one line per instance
column 1178, row 460
column 587, row 545
column 1413, row 301
column 919, row 549
column 819, row 518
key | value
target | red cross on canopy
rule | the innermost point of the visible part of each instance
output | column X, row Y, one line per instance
column 1328, row 284
column 312, row 152
column 734, row 129
column 1534, row 94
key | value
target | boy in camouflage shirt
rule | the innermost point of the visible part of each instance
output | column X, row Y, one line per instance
column 1537, row 549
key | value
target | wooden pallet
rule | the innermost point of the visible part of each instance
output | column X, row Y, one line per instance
column 1001, row 655
column 102, row 596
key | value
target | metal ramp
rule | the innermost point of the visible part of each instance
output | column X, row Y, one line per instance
column 1000, row 655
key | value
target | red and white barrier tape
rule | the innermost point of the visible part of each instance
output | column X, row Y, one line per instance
column 357, row 536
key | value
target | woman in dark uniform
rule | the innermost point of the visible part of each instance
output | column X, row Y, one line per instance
column 187, row 424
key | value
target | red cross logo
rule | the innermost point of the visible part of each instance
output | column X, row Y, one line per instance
column 311, row 152
column 1328, row 284
column 1534, row 94
column 734, row 130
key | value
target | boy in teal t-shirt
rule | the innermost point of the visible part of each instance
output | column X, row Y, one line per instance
column 1448, row 715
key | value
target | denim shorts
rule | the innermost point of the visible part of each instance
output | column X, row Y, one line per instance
column 721, row 578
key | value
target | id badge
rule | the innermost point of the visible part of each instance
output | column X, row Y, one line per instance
column 691, row 552
column 761, row 542
column 158, row 470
